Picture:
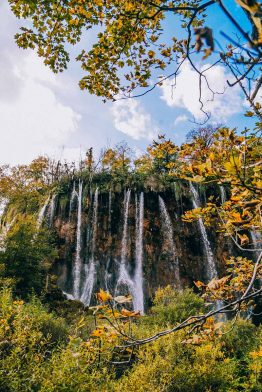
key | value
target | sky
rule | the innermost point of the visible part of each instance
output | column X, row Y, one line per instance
column 46, row 113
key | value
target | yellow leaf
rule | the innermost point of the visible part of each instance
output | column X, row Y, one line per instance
column 216, row 284
column 199, row 284
column 243, row 239
column 128, row 313
column 212, row 156
column 103, row 296
column 97, row 333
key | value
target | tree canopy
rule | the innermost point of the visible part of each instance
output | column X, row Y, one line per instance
column 134, row 50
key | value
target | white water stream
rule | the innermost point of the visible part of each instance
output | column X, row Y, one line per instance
column 51, row 212
column 90, row 267
column 167, row 229
column 124, row 278
column 78, row 261
column 211, row 266
column 42, row 213
column 138, row 295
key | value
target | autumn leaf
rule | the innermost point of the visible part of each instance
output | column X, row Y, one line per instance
column 97, row 333
column 128, row 313
column 122, row 299
column 104, row 296
column 216, row 284
column 243, row 239
column 195, row 340
column 199, row 284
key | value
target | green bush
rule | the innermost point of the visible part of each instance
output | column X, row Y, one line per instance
column 27, row 254
column 29, row 335
column 171, row 306
column 39, row 352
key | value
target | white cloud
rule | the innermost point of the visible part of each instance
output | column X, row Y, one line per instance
column 131, row 118
column 33, row 119
column 181, row 118
column 185, row 93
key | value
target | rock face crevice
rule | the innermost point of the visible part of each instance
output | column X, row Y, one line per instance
column 133, row 242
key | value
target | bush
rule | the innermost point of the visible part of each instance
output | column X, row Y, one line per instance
column 241, row 338
column 27, row 254
column 39, row 352
column 169, row 365
column 29, row 335
column 171, row 306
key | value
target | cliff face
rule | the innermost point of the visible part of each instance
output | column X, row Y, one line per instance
column 132, row 241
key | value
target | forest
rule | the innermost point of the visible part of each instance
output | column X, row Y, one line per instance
column 137, row 269
column 100, row 336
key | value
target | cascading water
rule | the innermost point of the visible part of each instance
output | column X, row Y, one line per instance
column 74, row 195
column 90, row 267
column 124, row 278
column 167, row 229
column 222, row 194
column 52, row 208
column 4, row 229
column 78, row 261
column 124, row 238
column 109, row 211
column 107, row 274
column 257, row 242
column 138, row 296
column 211, row 266
column 3, row 204
column 42, row 213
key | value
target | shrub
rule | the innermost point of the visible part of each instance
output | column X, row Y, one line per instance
column 171, row 306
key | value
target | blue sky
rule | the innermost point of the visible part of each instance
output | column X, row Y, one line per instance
column 43, row 113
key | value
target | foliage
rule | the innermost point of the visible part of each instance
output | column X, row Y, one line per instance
column 117, row 160
column 105, row 347
column 234, row 285
column 171, row 307
column 173, row 364
column 27, row 255
column 220, row 157
column 230, row 160
column 133, row 45
column 28, row 336
column 164, row 155
column 40, row 352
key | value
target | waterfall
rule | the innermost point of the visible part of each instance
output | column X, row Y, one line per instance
column 42, row 212
column 4, row 231
column 72, row 198
column 107, row 274
column 222, row 194
column 138, row 297
column 51, row 213
column 211, row 266
column 124, row 238
column 167, row 229
column 124, row 278
column 90, row 268
column 78, row 262
column 109, row 211
column 257, row 242
column 3, row 204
